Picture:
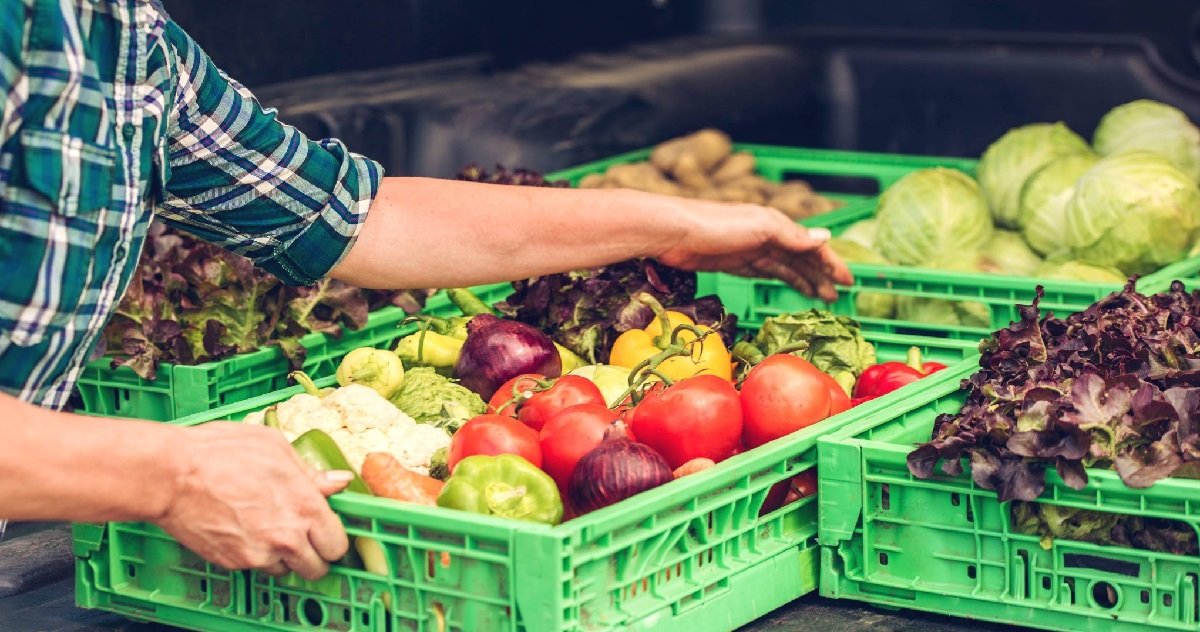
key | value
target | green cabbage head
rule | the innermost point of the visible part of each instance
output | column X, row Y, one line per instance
column 935, row 311
column 1133, row 211
column 1076, row 271
column 930, row 214
column 862, row 232
column 866, row 304
column 1007, row 253
column 1008, row 163
column 1151, row 126
column 1044, row 201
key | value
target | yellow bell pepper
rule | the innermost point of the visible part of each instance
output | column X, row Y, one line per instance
column 708, row 355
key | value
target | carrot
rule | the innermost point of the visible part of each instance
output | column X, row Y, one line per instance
column 694, row 466
column 389, row 479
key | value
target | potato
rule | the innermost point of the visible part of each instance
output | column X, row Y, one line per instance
column 689, row 173
column 710, row 146
column 752, row 182
column 734, row 167
column 592, row 181
column 715, row 195
column 643, row 177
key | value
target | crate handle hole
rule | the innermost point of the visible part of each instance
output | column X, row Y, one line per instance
column 131, row 570
column 1145, row 596
column 971, row 571
column 1167, row 600
column 883, row 559
column 1046, row 583
column 312, row 612
column 204, row 586
column 885, row 497
column 366, row 619
column 346, row 615
column 955, row 500
column 1105, row 595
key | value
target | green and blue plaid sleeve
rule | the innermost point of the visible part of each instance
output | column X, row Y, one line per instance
column 238, row 177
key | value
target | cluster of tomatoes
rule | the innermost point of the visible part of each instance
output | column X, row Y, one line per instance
column 554, row 423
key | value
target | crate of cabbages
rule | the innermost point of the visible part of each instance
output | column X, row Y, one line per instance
column 505, row 484
column 200, row 327
column 960, row 245
column 1050, row 486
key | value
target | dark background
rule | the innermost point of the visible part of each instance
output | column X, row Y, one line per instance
column 426, row 86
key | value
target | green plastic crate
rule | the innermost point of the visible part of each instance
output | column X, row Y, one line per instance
column 944, row 545
column 693, row 554
column 182, row 390
column 855, row 178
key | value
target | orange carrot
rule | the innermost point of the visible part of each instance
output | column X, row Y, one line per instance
column 388, row 478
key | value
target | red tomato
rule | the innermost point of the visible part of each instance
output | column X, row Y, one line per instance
column 567, row 391
column 504, row 394
column 781, row 395
column 693, row 418
column 569, row 435
column 803, row 485
column 839, row 401
column 787, row 492
column 494, row 434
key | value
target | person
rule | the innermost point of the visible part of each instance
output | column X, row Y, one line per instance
column 113, row 116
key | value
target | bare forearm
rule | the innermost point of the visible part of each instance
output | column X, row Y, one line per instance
column 57, row 466
column 425, row 232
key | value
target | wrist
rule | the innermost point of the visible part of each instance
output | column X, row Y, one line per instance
column 662, row 221
column 175, row 466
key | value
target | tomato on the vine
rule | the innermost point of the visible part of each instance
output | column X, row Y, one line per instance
column 510, row 395
column 567, row 391
column 570, row 434
column 696, row 417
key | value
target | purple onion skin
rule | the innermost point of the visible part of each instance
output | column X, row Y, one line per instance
column 497, row 350
column 613, row 471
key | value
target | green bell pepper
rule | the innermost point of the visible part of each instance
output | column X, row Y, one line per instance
column 505, row 485
column 320, row 451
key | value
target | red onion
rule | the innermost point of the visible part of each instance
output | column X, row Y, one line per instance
column 615, row 470
column 498, row 350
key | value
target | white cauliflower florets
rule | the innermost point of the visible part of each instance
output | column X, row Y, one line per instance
column 414, row 449
column 361, row 408
column 360, row 421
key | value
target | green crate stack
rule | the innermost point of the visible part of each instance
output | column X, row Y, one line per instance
column 182, row 390
column 945, row 545
column 693, row 554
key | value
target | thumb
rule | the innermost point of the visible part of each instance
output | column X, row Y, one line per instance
column 801, row 239
column 333, row 482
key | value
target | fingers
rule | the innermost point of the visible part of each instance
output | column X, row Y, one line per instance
column 792, row 275
column 275, row 569
column 331, row 483
column 306, row 562
column 327, row 535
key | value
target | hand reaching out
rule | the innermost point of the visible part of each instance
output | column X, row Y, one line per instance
column 757, row 241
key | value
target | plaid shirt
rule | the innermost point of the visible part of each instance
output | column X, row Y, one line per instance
column 112, row 115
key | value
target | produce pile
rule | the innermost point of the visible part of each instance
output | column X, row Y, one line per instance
column 1114, row 387
column 191, row 302
column 1045, row 205
column 488, row 414
column 703, row 165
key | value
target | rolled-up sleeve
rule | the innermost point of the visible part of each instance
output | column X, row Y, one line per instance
column 238, row 177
